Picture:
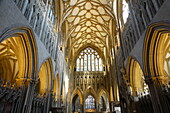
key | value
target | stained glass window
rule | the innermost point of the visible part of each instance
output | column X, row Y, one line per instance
column 90, row 102
column 89, row 60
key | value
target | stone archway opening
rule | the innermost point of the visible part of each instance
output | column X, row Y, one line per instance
column 90, row 104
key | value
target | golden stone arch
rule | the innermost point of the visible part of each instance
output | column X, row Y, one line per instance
column 78, row 91
column 18, row 55
column 90, row 91
column 102, row 91
column 45, row 77
column 135, row 77
column 156, row 53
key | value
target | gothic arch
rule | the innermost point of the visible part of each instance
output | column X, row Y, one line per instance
column 156, row 50
column 19, row 43
column 102, row 91
column 135, row 77
column 45, row 77
column 100, row 52
column 90, row 91
column 78, row 91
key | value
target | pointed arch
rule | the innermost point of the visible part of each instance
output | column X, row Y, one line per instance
column 103, row 94
column 78, row 91
column 156, row 47
column 45, row 77
column 102, row 91
column 100, row 52
column 90, row 91
column 135, row 77
column 22, row 44
column 89, row 60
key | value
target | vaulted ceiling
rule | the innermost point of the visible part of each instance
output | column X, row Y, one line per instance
column 88, row 22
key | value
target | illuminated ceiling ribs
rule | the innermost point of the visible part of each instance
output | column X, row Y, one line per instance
column 88, row 22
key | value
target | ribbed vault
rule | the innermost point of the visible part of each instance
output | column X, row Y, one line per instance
column 88, row 22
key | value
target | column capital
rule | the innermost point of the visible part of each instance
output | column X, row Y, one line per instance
column 25, row 81
column 161, row 79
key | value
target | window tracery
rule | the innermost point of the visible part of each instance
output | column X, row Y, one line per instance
column 90, row 102
column 89, row 60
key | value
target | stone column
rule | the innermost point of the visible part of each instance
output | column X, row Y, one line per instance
column 24, row 6
column 160, row 81
column 154, row 89
column 48, row 103
column 30, row 12
column 29, row 96
column 81, row 108
column 97, row 107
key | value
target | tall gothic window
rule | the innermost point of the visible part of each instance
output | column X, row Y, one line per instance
column 90, row 102
column 89, row 60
